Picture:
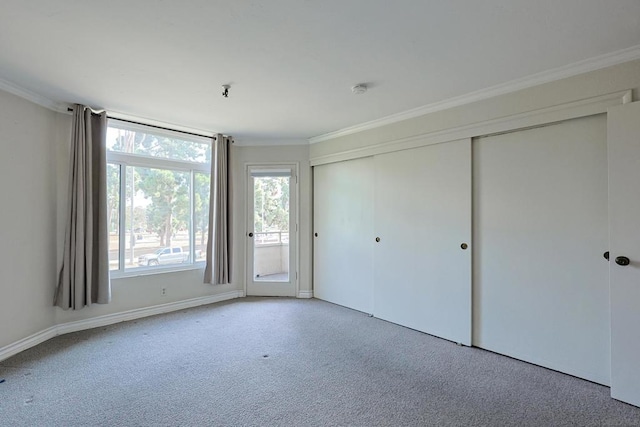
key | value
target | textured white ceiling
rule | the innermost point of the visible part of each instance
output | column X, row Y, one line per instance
column 291, row 63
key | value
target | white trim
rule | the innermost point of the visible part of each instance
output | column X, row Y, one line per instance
column 592, row 64
column 28, row 342
column 556, row 113
column 149, row 271
column 63, row 107
column 248, row 141
column 110, row 319
column 32, row 96
column 607, row 60
column 305, row 294
column 138, row 313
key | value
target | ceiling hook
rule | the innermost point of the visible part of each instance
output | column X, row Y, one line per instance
column 225, row 91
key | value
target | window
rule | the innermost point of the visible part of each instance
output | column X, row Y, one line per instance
column 157, row 198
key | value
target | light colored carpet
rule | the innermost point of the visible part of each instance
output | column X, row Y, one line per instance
column 286, row 362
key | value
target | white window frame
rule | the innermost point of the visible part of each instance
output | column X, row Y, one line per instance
column 122, row 160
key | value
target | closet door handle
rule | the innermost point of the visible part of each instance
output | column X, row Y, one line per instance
column 622, row 260
column 606, row 255
column 250, row 234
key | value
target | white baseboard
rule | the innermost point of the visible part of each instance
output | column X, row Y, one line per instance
column 305, row 294
column 110, row 319
column 28, row 342
column 124, row 316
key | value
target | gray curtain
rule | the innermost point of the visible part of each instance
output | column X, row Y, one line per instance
column 84, row 275
column 219, row 244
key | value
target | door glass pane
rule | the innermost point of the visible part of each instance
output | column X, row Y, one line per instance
column 271, row 228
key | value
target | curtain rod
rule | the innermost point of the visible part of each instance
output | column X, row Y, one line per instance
column 160, row 127
column 156, row 127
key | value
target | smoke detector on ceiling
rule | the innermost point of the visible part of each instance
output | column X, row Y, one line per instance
column 359, row 89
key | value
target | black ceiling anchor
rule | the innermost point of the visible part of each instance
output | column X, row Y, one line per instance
column 225, row 91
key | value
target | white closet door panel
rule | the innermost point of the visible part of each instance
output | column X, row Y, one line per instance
column 343, row 221
column 540, row 230
column 624, row 214
column 422, row 216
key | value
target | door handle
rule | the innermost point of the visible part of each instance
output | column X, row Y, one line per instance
column 622, row 260
column 606, row 255
column 250, row 234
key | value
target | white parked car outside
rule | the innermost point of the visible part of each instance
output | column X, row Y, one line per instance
column 162, row 256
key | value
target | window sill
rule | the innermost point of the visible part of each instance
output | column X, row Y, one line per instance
column 150, row 271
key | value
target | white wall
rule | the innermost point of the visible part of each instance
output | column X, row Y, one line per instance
column 240, row 156
column 27, row 218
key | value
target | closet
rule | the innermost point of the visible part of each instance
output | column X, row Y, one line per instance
column 500, row 240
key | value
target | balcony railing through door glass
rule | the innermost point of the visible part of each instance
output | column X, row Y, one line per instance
column 271, row 225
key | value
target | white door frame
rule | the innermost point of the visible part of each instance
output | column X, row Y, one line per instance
column 292, row 287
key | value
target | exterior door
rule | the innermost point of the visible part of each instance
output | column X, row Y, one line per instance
column 272, row 231
column 623, row 138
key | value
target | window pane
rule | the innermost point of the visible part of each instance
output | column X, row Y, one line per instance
column 113, row 214
column 157, row 216
column 201, row 214
column 135, row 141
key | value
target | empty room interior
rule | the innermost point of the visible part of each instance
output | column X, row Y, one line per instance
column 320, row 212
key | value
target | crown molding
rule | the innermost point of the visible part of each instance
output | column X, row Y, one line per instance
column 268, row 142
column 581, row 67
column 524, row 120
column 38, row 99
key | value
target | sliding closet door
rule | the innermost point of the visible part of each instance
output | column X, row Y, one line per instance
column 422, row 217
column 540, row 230
column 624, row 211
column 343, row 225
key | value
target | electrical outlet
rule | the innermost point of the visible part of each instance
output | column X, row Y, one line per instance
column 164, row 291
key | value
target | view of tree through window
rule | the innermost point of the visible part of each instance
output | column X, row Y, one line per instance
column 153, row 145
column 271, row 207
column 271, row 227
column 160, row 185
